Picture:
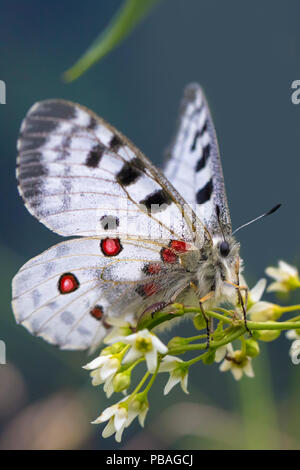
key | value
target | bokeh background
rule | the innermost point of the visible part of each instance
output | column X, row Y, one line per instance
column 246, row 55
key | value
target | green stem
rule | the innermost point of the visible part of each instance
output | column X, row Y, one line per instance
column 140, row 384
column 231, row 336
column 195, row 338
column 197, row 359
column 132, row 366
column 152, row 378
column 243, row 341
column 208, row 313
column 273, row 325
column 291, row 308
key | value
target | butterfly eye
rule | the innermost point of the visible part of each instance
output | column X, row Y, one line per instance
column 224, row 249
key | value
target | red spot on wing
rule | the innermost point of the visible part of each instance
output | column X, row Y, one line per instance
column 168, row 255
column 179, row 246
column 97, row 312
column 147, row 290
column 67, row 283
column 152, row 268
column 111, row 246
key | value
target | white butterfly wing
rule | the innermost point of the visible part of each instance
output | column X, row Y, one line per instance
column 194, row 166
column 68, row 293
column 75, row 170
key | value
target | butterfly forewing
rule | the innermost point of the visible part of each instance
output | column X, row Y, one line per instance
column 194, row 165
column 74, row 170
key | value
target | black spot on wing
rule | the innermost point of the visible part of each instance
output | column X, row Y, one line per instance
column 53, row 108
column 204, row 194
column 30, row 142
column 92, row 124
column 36, row 125
column 197, row 135
column 35, row 170
column 115, row 143
column 109, row 222
column 31, row 157
column 95, row 156
column 202, row 161
column 156, row 201
column 130, row 172
column 33, row 191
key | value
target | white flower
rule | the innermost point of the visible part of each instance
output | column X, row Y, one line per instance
column 295, row 351
column 286, row 277
column 138, row 407
column 122, row 414
column 292, row 334
column 220, row 353
column 104, row 367
column 118, row 419
column 117, row 331
column 295, row 346
column 264, row 311
column 255, row 294
column 178, row 373
column 260, row 310
column 257, row 309
column 237, row 364
column 143, row 343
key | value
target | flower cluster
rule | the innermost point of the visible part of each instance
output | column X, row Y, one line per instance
column 128, row 346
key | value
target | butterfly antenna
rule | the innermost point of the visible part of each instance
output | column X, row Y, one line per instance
column 271, row 211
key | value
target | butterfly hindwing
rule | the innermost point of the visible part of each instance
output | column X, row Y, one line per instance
column 194, row 166
column 68, row 293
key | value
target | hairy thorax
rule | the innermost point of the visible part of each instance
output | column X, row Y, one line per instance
column 212, row 270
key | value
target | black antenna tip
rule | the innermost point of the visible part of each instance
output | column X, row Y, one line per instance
column 274, row 209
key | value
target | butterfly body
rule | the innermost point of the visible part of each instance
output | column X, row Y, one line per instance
column 145, row 238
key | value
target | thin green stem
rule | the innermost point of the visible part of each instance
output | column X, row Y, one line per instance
column 152, row 378
column 195, row 338
column 132, row 366
column 197, row 359
column 273, row 325
column 231, row 336
column 208, row 313
column 243, row 341
column 290, row 308
column 140, row 384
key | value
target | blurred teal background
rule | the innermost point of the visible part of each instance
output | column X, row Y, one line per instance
column 245, row 55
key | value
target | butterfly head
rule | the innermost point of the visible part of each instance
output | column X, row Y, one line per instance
column 225, row 250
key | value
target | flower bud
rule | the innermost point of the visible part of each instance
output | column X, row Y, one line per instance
column 265, row 311
column 113, row 349
column 199, row 321
column 268, row 335
column 210, row 358
column 177, row 342
column 252, row 347
column 121, row 381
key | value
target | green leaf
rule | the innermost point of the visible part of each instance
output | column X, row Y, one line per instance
column 121, row 25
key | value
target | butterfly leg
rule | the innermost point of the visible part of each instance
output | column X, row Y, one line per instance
column 242, row 302
column 208, row 321
column 156, row 307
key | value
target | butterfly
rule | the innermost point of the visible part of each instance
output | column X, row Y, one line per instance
column 144, row 238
